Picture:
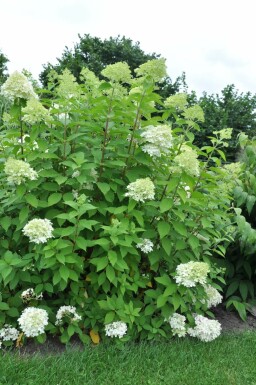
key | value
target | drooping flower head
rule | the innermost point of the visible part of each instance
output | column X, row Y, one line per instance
column 18, row 86
column 214, row 298
column 33, row 321
column 191, row 273
column 178, row 324
column 116, row 329
column 158, row 140
column 141, row 190
column 205, row 329
column 67, row 312
column 38, row 230
column 18, row 171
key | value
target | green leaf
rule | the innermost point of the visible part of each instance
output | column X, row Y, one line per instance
column 167, row 245
column 104, row 187
column 23, row 215
column 54, row 198
column 109, row 317
column 163, row 229
column 161, row 301
column 110, row 273
column 32, row 200
column 232, row 288
column 243, row 288
column 64, row 273
column 6, row 222
column 166, row 204
column 112, row 256
column 164, row 280
column 100, row 262
column 4, row 306
column 180, row 228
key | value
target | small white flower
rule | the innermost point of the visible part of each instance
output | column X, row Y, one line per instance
column 38, row 230
column 116, row 329
column 75, row 174
column 146, row 246
column 205, row 329
column 69, row 312
column 191, row 273
column 8, row 333
column 141, row 190
column 29, row 294
column 178, row 324
column 33, row 321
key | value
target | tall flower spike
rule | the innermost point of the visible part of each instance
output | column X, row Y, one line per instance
column 18, row 86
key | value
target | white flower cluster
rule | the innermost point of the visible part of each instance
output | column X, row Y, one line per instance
column 116, row 329
column 146, row 246
column 178, row 324
column 214, row 298
column 8, row 333
column 191, row 273
column 18, row 171
column 18, row 86
column 29, row 294
column 205, row 329
column 33, row 321
column 69, row 312
column 141, row 189
column 38, row 230
column 159, row 140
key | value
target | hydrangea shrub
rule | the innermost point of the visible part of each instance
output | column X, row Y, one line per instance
column 110, row 216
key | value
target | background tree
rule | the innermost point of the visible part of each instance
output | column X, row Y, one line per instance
column 96, row 54
column 3, row 68
column 229, row 109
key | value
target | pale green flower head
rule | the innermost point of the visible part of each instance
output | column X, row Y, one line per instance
column 191, row 273
column 68, row 87
column 91, row 81
column 117, row 73
column 194, row 113
column 17, row 86
column 224, row 134
column 187, row 161
column 18, row 171
column 178, row 101
column 35, row 112
column 141, row 190
column 155, row 68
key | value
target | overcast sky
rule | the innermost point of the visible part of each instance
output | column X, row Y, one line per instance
column 213, row 42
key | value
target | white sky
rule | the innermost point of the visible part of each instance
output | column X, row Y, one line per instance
column 212, row 41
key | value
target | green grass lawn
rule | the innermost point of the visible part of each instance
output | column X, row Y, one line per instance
column 229, row 360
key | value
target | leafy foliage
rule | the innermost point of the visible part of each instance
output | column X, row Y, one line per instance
column 229, row 109
column 241, row 264
column 82, row 159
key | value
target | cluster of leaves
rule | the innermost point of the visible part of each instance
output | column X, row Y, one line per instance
column 85, row 158
column 240, row 258
column 229, row 109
